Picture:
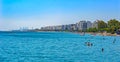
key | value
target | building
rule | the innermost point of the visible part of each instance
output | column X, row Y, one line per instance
column 72, row 27
column 58, row 28
column 89, row 24
column 81, row 26
column 95, row 24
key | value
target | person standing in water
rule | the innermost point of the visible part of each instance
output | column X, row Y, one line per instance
column 114, row 40
column 102, row 49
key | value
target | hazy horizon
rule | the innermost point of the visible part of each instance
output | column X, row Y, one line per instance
column 38, row 13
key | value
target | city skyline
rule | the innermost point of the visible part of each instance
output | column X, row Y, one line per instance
column 39, row 13
column 78, row 26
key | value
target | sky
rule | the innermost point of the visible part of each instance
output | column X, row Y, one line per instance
column 39, row 13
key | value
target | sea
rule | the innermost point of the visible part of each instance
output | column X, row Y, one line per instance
column 58, row 47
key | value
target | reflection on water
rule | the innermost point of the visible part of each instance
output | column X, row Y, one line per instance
column 57, row 47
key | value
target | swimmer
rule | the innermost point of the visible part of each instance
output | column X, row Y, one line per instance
column 102, row 49
column 88, row 44
column 103, row 38
column 114, row 40
column 91, row 44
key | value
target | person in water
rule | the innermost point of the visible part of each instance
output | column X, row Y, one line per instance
column 88, row 44
column 91, row 44
column 114, row 40
column 103, row 38
column 102, row 49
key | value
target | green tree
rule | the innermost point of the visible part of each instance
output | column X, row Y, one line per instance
column 113, row 25
column 119, row 25
column 92, row 30
column 101, row 25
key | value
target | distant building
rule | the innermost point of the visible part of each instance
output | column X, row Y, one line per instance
column 65, row 27
column 95, row 24
column 69, row 27
column 89, row 24
column 24, row 29
column 46, row 28
column 72, row 27
column 58, row 27
column 82, row 25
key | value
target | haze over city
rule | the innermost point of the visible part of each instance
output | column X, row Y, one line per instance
column 38, row 13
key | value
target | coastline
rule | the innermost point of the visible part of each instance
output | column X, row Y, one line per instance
column 92, row 33
column 103, row 34
column 76, row 32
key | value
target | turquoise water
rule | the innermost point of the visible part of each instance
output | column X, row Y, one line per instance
column 57, row 47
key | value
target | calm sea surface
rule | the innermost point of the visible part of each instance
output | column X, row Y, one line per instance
column 57, row 47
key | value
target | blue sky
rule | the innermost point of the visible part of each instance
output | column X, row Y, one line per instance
column 37, row 13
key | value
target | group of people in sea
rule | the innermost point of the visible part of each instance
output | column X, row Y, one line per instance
column 91, row 44
column 88, row 44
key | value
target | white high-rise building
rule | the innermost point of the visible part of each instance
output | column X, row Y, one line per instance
column 82, row 25
column 89, row 24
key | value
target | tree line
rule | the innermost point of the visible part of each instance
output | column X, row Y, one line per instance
column 111, row 26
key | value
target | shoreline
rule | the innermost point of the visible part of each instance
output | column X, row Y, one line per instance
column 92, row 33
column 98, row 33
column 81, row 33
